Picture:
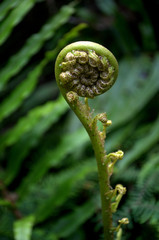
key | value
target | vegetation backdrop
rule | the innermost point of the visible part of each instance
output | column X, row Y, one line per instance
column 48, row 174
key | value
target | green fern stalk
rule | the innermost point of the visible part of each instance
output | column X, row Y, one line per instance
column 87, row 69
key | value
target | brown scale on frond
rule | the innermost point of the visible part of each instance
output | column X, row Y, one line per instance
column 86, row 73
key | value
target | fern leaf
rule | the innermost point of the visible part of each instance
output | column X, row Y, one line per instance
column 141, row 146
column 151, row 165
column 30, row 138
column 34, row 44
column 14, row 18
column 62, row 188
column 22, row 91
column 6, row 6
column 28, row 122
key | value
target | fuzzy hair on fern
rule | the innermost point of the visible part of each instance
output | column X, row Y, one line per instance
column 87, row 69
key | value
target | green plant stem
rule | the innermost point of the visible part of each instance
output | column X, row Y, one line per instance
column 83, row 113
column 103, row 183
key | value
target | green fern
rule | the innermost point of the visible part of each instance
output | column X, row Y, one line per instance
column 14, row 18
column 47, row 168
column 141, row 146
column 33, row 45
column 64, row 184
column 36, row 122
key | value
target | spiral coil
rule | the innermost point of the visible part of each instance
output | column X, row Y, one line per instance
column 86, row 73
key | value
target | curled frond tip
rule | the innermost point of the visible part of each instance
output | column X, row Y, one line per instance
column 85, row 68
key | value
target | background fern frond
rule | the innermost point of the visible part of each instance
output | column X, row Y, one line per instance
column 33, row 45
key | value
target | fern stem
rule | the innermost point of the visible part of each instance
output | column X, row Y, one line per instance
column 87, row 70
column 104, row 184
column 83, row 113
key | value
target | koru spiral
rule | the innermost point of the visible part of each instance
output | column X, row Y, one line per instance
column 86, row 68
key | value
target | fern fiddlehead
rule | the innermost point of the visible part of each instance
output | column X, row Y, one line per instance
column 87, row 69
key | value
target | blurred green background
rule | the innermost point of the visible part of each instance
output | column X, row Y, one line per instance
column 48, row 175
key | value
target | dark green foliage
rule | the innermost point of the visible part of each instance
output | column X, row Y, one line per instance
column 48, row 175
